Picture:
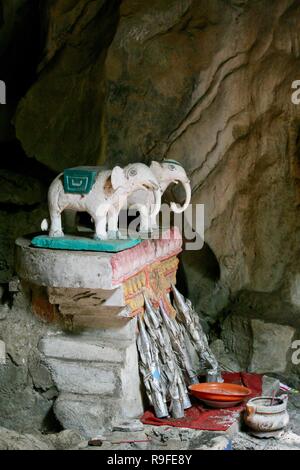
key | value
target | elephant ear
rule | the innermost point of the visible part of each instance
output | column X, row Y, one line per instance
column 118, row 178
column 155, row 167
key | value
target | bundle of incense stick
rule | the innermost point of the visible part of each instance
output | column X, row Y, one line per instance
column 164, row 360
column 190, row 319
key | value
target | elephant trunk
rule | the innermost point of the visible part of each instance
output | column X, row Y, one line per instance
column 188, row 193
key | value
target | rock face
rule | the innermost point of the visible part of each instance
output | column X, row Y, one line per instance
column 11, row 440
column 258, row 346
column 20, row 191
column 19, row 48
column 215, row 80
column 59, row 120
column 271, row 344
column 15, row 221
column 26, row 388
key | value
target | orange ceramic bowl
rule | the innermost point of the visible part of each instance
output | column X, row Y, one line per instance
column 219, row 392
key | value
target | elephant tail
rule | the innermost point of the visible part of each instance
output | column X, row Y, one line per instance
column 45, row 225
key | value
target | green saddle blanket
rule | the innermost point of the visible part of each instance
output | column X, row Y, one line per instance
column 80, row 179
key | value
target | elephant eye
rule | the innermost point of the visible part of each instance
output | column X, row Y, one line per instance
column 132, row 172
column 171, row 167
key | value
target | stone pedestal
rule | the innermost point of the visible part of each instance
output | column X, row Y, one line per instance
column 93, row 299
column 97, row 378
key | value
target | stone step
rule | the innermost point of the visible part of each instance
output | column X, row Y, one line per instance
column 96, row 374
column 87, row 414
column 99, row 320
column 86, row 378
column 83, row 349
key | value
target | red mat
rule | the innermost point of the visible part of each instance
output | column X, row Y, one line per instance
column 207, row 419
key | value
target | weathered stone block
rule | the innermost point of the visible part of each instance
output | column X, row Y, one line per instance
column 89, row 416
column 271, row 343
column 97, row 376
column 84, row 377
column 77, row 348
column 237, row 337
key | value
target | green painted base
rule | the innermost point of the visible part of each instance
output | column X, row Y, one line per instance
column 78, row 243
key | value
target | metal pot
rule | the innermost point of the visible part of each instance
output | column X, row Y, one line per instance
column 267, row 414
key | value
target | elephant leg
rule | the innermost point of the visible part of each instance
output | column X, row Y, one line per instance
column 100, row 227
column 144, row 215
column 56, row 227
column 112, row 225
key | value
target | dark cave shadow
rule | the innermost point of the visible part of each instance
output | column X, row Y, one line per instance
column 205, row 263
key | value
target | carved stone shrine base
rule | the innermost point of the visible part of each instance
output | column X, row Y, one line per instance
column 91, row 300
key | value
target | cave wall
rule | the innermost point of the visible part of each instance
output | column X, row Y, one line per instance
column 59, row 119
column 209, row 84
column 205, row 83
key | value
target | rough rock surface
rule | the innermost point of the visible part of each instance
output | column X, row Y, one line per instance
column 215, row 78
column 19, row 47
column 271, row 343
column 59, row 120
column 15, row 221
column 286, row 441
column 67, row 439
column 163, row 438
column 153, row 438
column 26, row 387
column 236, row 334
column 257, row 346
column 20, row 191
column 11, row 440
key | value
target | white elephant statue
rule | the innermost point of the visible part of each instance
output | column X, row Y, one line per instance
column 104, row 201
column 166, row 172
